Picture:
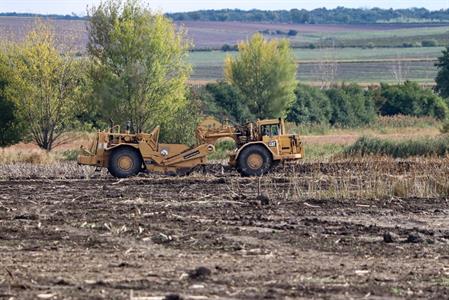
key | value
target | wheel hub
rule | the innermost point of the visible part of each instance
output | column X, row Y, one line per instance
column 125, row 163
column 255, row 161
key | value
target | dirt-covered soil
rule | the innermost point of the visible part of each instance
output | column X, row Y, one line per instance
column 216, row 236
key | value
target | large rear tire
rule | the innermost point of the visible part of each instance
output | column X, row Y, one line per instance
column 124, row 163
column 254, row 160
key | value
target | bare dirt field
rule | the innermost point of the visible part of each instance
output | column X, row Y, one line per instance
column 344, row 229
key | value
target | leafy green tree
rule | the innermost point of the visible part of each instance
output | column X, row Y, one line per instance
column 140, row 64
column 264, row 73
column 312, row 106
column 44, row 86
column 442, row 78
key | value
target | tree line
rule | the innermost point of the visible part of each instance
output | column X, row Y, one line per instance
column 339, row 15
column 137, row 72
column 346, row 105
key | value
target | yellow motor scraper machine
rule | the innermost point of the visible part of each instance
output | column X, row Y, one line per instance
column 259, row 146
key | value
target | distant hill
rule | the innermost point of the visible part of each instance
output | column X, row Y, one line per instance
column 339, row 15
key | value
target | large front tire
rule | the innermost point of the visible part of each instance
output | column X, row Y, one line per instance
column 124, row 163
column 254, row 160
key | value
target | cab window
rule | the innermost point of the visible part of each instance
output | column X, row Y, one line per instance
column 270, row 130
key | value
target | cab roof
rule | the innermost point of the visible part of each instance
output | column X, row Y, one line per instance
column 268, row 122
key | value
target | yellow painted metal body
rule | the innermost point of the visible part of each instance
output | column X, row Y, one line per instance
column 157, row 158
column 179, row 159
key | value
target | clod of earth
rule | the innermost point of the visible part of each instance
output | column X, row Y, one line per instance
column 263, row 198
column 173, row 297
column 26, row 217
column 414, row 238
column 161, row 238
column 200, row 273
column 390, row 237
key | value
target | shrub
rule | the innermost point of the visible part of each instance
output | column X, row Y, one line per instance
column 229, row 101
column 442, row 78
column 445, row 127
column 11, row 129
column 182, row 129
column 281, row 32
column 222, row 149
column 410, row 99
column 312, row 106
column 70, row 155
column 407, row 45
column 399, row 149
column 227, row 48
column 292, row 32
column 429, row 43
column 350, row 106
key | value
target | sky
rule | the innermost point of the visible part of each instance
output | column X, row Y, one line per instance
column 79, row 6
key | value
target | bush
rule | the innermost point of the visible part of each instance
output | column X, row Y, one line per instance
column 442, row 78
column 180, row 129
column 71, row 155
column 228, row 101
column 222, row 149
column 312, row 106
column 429, row 43
column 292, row 32
column 445, row 127
column 227, row 48
column 350, row 106
column 11, row 130
column 407, row 45
column 410, row 99
column 399, row 149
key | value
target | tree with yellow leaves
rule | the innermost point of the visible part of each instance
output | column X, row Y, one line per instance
column 264, row 72
column 44, row 85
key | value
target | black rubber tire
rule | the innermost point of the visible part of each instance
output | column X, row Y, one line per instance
column 114, row 167
column 242, row 162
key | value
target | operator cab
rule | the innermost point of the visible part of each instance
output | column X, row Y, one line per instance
column 271, row 128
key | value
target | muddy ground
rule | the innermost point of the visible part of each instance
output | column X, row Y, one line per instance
column 216, row 236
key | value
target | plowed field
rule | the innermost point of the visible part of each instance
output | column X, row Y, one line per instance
column 215, row 235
